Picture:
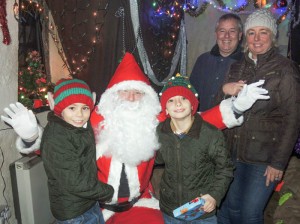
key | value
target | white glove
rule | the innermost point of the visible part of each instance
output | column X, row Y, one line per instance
column 22, row 120
column 249, row 95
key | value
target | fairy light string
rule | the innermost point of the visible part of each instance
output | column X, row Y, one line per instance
column 173, row 9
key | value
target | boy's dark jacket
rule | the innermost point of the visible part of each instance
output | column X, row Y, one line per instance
column 69, row 157
column 195, row 165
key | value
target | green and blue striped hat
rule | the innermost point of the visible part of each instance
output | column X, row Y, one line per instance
column 69, row 91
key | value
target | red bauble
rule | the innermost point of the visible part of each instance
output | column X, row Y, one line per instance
column 37, row 103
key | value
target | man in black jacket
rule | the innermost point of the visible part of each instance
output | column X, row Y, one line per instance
column 211, row 67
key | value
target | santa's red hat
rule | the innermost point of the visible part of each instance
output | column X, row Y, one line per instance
column 128, row 70
column 128, row 75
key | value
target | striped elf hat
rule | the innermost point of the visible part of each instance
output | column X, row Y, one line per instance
column 69, row 91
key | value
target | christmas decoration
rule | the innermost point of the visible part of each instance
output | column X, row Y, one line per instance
column 282, row 3
column 164, row 25
column 197, row 7
column 199, row 10
column 76, row 60
column 296, row 151
column 33, row 85
column 3, row 23
column 80, row 35
column 294, row 35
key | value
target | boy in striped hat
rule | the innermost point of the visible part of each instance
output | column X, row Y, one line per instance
column 68, row 152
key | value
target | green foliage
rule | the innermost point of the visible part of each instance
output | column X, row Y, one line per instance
column 32, row 80
column 284, row 198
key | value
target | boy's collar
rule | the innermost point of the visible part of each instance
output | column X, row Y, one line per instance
column 184, row 132
column 85, row 125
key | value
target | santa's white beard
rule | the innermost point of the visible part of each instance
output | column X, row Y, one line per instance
column 129, row 133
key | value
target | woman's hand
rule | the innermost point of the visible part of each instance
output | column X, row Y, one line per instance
column 272, row 174
column 233, row 88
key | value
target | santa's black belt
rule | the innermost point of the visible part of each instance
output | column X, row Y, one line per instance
column 120, row 207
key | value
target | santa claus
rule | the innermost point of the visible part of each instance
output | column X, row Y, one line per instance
column 125, row 122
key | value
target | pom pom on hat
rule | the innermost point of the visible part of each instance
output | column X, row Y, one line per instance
column 261, row 17
column 69, row 91
column 179, row 86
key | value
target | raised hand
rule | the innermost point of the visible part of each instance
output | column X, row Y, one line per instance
column 233, row 88
column 249, row 95
column 22, row 120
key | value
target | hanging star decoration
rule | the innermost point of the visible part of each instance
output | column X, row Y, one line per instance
column 3, row 23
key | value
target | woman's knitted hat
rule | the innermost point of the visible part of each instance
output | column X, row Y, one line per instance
column 69, row 91
column 261, row 17
column 179, row 86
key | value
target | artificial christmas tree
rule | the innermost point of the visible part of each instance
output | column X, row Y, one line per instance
column 33, row 84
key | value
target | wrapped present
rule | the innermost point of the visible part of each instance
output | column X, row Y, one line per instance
column 190, row 210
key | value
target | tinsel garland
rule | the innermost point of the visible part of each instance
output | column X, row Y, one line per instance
column 221, row 3
column 295, row 14
column 201, row 9
column 179, row 56
column 3, row 23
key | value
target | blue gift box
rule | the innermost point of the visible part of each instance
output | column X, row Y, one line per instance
column 190, row 210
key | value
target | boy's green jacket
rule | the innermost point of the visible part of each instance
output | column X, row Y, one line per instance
column 68, row 154
column 196, row 164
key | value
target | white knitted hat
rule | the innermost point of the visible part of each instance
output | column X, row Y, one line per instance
column 261, row 17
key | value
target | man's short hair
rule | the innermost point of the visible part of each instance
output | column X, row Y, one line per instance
column 229, row 16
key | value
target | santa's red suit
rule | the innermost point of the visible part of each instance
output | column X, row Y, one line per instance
column 138, row 165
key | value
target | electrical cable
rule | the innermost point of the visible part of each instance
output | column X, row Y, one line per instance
column 2, row 177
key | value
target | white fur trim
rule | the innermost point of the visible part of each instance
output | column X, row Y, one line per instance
column 114, row 178
column 147, row 203
column 133, row 181
column 107, row 214
column 138, row 85
column 101, row 147
column 36, row 146
column 228, row 116
column 132, row 84
column 152, row 203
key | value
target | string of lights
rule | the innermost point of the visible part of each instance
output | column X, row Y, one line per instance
column 86, row 47
column 197, row 7
column 54, row 35
column 161, row 56
column 79, row 60
column 75, row 63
